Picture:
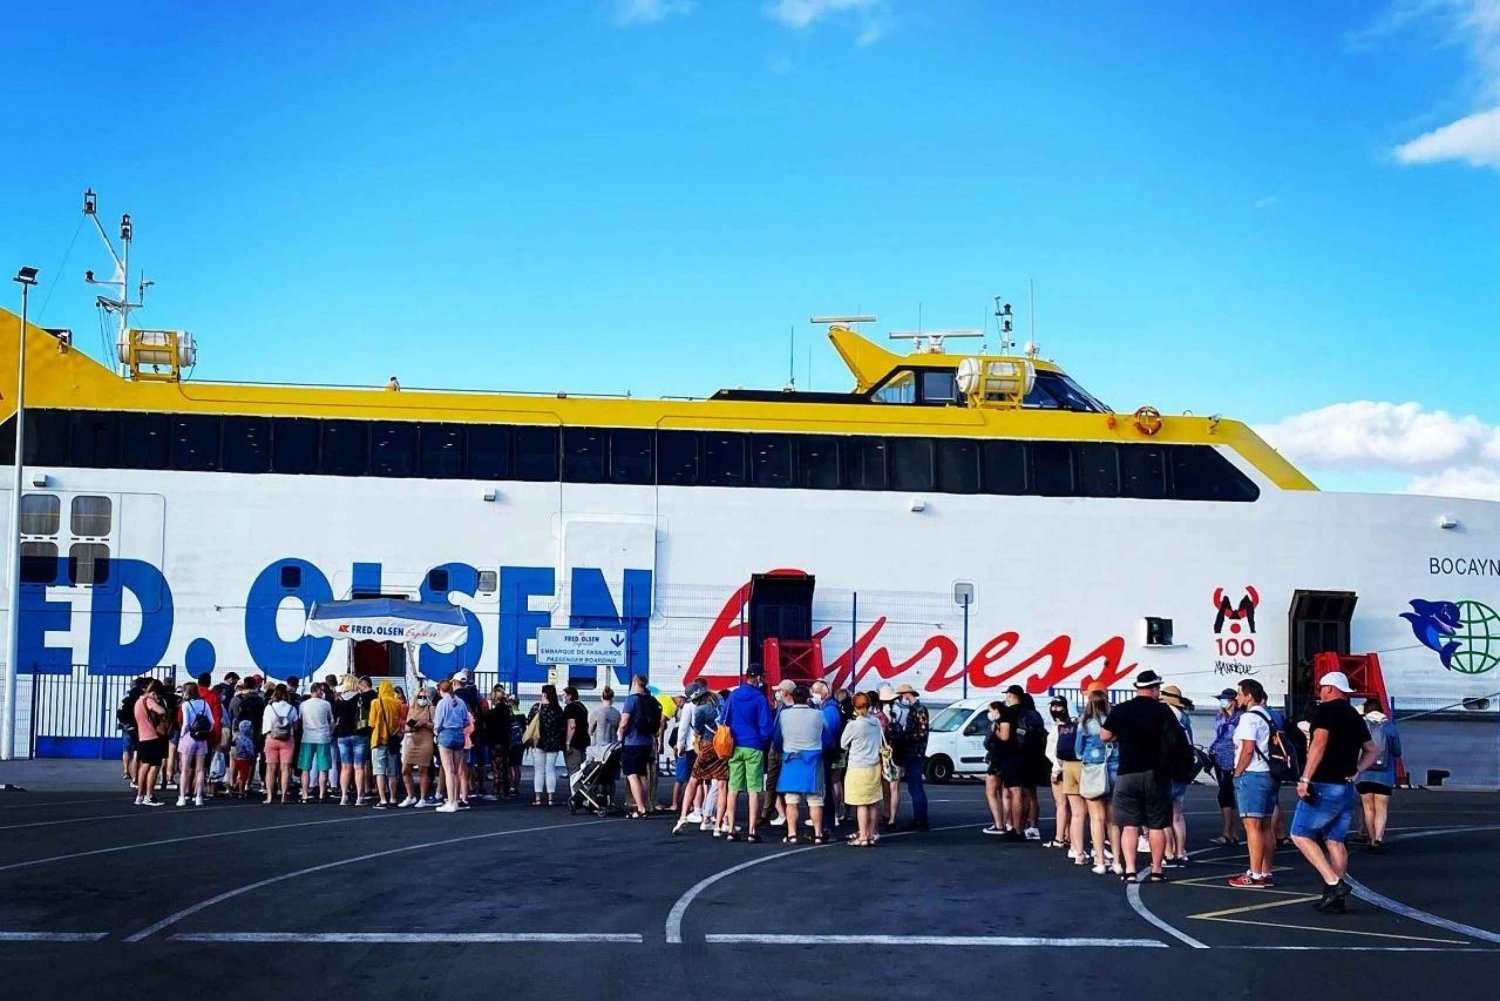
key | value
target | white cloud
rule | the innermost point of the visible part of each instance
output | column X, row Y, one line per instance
column 1474, row 25
column 801, row 14
column 1474, row 140
column 648, row 11
column 1437, row 452
column 1368, row 435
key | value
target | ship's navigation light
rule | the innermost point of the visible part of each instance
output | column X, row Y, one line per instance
column 90, row 202
column 126, row 230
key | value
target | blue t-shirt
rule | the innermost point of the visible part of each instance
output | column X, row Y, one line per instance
column 633, row 736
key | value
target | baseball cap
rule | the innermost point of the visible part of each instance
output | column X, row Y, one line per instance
column 1015, row 690
column 1147, row 679
column 1337, row 679
column 755, row 671
column 787, row 685
column 461, row 676
column 1228, row 693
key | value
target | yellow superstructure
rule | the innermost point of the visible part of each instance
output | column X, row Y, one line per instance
column 59, row 376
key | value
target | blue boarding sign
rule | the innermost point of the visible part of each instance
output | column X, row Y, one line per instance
column 581, row 647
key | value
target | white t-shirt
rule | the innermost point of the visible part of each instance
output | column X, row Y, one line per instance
column 282, row 712
column 317, row 721
column 1253, row 726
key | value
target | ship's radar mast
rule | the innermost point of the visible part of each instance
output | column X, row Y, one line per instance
column 930, row 342
column 163, row 352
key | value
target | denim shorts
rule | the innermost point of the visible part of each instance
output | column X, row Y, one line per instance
column 383, row 762
column 452, row 740
column 1255, row 794
column 1327, row 818
column 354, row 751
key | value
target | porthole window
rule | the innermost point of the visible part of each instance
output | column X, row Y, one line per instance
column 88, row 564
column 41, row 514
column 92, row 516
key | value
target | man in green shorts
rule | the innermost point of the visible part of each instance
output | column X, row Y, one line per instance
column 748, row 715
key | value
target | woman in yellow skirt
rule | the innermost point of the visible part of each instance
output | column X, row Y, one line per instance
column 862, row 742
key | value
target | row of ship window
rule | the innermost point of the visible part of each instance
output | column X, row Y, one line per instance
column 546, row 453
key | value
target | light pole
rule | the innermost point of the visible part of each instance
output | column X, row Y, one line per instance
column 26, row 278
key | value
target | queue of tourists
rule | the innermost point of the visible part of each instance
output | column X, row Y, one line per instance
column 1118, row 774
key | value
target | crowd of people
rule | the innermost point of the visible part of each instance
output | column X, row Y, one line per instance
column 1118, row 774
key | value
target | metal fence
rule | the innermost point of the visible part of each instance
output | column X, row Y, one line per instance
column 73, row 715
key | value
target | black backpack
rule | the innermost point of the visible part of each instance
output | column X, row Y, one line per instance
column 648, row 722
column 202, row 725
column 1283, row 761
column 1179, row 761
column 1031, row 734
column 1066, row 732
column 125, row 715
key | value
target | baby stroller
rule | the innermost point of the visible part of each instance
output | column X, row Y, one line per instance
column 594, row 783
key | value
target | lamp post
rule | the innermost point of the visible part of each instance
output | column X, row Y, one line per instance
column 26, row 278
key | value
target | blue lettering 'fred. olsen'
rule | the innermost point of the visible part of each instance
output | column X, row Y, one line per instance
column 294, row 584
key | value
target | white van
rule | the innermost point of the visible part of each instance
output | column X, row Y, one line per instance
column 955, row 740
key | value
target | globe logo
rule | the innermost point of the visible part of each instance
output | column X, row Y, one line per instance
column 1478, row 638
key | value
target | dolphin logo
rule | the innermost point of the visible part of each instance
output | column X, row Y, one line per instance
column 1431, row 622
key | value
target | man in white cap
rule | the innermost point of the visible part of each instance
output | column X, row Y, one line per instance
column 1338, row 748
column 772, row 802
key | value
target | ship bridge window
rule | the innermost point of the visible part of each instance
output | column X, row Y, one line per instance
column 393, row 448
column 771, row 460
column 94, row 439
column 488, row 452
column 38, row 562
column 865, row 463
column 677, row 458
column 939, row 387
column 441, row 454
column 294, row 445
column 46, row 437
column 247, row 444
column 195, row 443
column 92, row 516
column 817, row 462
column 1002, row 466
column 536, row 454
column 346, row 448
column 1143, row 472
column 900, row 388
column 41, row 514
column 145, row 440
column 1055, row 391
column 88, row 564
column 911, row 463
column 1199, row 472
column 630, row 456
column 583, row 455
column 1098, row 469
column 958, row 465
column 1052, row 468
column 723, row 459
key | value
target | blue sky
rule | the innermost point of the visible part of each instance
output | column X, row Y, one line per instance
column 1284, row 212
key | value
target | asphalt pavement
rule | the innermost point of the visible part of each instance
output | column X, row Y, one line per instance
column 100, row 896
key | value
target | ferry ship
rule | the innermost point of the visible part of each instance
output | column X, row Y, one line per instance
column 959, row 522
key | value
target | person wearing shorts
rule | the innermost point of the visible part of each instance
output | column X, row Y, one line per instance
column 639, row 748
column 1141, row 800
column 1339, row 748
column 151, row 749
column 192, row 752
column 1255, row 791
column 800, row 732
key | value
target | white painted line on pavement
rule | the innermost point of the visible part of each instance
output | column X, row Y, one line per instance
column 404, row 938
column 141, row 811
column 992, row 941
column 172, row 919
column 193, row 837
column 1407, row 911
column 674, row 917
column 1133, row 894
column 52, row 936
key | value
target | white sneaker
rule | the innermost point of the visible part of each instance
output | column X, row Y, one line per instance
column 152, row 802
column 778, row 821
column 182, row 801
column 1145, row 846
column 693, row 817
column 1032, row 834
column 706, row 826
column 420, row 804
column 447, row 808
column 1100, row 869
column 139, row 800
column 1117, row 869
column 197, row 800
column 408, row 801
column 992, row 829
column 808, row 822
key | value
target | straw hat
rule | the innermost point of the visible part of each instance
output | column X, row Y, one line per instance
column 1172, row 696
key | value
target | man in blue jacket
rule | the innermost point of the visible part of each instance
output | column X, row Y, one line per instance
column 833, row 725
column 748, row 716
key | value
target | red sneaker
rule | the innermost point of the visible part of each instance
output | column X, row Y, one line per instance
column 1246, row 881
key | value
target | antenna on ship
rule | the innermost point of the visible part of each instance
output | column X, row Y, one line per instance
column 172, row 350
column 931, row 341
column 791, row 360
column 1003, row 325
column 1032, row 348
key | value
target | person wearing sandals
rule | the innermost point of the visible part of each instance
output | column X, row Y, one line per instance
column 862, row 741
column 748, row 716
column 1062, row 817
column 1142, row 800
column 1223, row 752
column 1097, row 778
column 1375, row 783
column 315, row 756
column 449, row 720
column 707, row 768
column 799, row 736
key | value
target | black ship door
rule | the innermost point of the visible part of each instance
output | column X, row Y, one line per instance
column 780, row 608
column 1318, row 623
